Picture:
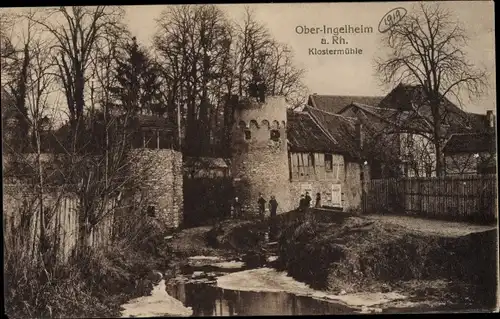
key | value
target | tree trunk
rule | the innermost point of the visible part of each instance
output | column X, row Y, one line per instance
column 79, row 88
column 435, row 104
column 22, row 112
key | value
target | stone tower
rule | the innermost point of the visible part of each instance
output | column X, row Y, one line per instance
column 260, row 154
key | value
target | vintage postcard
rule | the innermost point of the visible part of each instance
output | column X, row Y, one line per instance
column 249, row 159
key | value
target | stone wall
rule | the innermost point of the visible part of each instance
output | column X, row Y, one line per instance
column 161, row 173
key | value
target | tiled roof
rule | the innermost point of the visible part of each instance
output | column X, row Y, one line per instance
column 455, row 119
column 341, row 129
column 304, row 135
column 470, row 143
column 334, row 103
column 390, row 118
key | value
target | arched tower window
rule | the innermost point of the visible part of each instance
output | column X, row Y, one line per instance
column 248, row 134
column 242, row 124
column 265, row 123
column 254, row 124
column 276, row 125
column 275, row 135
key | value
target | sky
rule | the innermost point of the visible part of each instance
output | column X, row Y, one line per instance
column 347, row 74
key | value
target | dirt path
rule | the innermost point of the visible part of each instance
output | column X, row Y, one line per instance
column 434, row 227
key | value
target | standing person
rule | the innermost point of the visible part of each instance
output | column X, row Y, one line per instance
column 318, row 200
column 236, row 208
column 273, row 207
column 302, row 202
column 308, row 200
column 262, row 206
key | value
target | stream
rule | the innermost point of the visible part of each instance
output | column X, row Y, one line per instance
column 209, row 300
column 210, row 288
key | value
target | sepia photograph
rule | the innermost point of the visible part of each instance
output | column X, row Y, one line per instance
column 249, row 159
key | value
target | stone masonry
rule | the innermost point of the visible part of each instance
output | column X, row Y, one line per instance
column 161, row 170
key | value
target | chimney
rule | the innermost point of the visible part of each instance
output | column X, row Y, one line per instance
column 490, row 119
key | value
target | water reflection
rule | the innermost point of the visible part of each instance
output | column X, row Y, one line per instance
column 206, row 300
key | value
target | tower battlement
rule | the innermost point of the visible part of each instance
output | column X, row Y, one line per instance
column 274, row 109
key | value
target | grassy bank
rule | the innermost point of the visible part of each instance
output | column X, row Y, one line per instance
column 340, row 252
column 93, row 286
column 359, row 254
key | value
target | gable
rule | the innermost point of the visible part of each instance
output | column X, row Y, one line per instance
column 454, row 118
column 335, row 103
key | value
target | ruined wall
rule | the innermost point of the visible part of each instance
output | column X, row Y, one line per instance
column 260, row 164
column 162, row 172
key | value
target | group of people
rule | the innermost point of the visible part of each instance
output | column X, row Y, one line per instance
column 261, row 203
column 305, row 201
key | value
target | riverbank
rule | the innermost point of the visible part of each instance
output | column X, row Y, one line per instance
column 271, row 280
column 158, row 304
column 433, row 266
column 94, row 285
column 363, row 254
column 362, row 263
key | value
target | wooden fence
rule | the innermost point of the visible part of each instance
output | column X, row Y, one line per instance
column 22, row 219
column 470, row 198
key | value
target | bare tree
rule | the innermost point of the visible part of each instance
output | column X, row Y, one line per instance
column 17, row 59
column 7, row 21
column 207, row 59
column 78, row 31
column 193, row 44
column 32, row 88
column 426, row 49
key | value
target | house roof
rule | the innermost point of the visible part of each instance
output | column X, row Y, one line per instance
column 455, row 120
column 387, row 118
column 470, row 143
column 305, row 135
column 334, row 103
column 341, row 129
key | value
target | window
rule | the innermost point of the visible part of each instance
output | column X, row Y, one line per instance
column 248, row 134
column 310, row 164
column 428, row 170
column 328, row 162
column 151, row 211
column 275, row 135
column 409, row 142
